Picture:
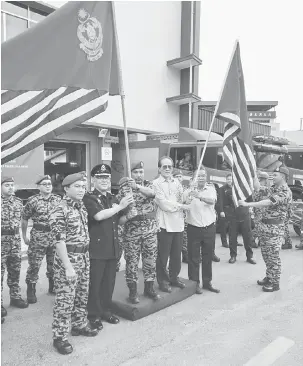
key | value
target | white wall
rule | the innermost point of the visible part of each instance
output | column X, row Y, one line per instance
column 149, row 35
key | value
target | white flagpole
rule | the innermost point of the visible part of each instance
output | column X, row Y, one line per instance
column 191, row 67
column 122, row 93
column 214, row 115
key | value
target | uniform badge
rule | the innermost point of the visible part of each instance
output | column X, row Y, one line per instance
column 90, row 35
column 103, row 169
column 141, row 164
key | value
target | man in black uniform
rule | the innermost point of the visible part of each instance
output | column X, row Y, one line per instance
column 238, row 221
column 104, row 247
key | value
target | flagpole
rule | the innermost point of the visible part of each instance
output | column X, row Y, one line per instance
column 191, row 67
column 214, row 115
column 122, row 93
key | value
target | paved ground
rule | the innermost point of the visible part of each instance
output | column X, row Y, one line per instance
column 240, row 326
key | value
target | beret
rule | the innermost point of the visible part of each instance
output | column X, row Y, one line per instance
column 73, row 178
column 42, row 178
column 7, row 179
column 263, row 175
column 177, row 172
column 137, row 165
column 282, row 169
column 101, row 169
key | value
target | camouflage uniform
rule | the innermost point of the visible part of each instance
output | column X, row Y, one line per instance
column 272, row 234
column 68, row 222
column 140, row 236
column 11, row 209
column 121, row 245
column 259, row 212
column 38, row 209
column 288, row 243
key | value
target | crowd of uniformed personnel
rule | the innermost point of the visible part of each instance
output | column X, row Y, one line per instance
column 82, row 234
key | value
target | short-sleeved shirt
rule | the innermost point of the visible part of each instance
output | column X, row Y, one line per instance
column 103, row 234
column 202, row 214
column 68, row 222
column 145, row 205
column 11, row 210
column 280, row 198
column 39, row 207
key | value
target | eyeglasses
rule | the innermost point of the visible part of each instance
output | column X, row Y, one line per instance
column 167, row 167
column 46, row 184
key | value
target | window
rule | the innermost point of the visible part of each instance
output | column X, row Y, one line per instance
column 184, row 158
column 210, row 157
column 16, row 18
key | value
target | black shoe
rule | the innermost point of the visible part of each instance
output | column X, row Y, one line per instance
column 300, row 247
column 112, row 319
column 133, row 294
column 215, row 258
column 3, row 311
column 2, row 320
column 232, row 260
column 286, row 246
column 86, row 331
column 251, row 261
column 198, row 289
column 31, row 293
column 149, row 290
column 51, row 287
column 96, row 324
column 270, row 288
column 239, row 244
column 177, row 283
column 184, row 257
column 63, row 347
column 263, row 282
column 225, row 245
column 19, row 303
column 165, row 288
column 210, row 288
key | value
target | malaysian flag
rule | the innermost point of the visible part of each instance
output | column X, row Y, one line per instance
column 57, row 75
column 237, row 142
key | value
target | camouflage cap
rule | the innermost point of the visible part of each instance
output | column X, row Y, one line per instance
column 42, row 178
column 263, row 175
column 7, row 180
column 72, row 178
column 101, row 169
column 282, row 169
column 137, row 165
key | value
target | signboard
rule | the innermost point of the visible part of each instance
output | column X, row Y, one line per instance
column 112, row 140
column 106, row 153
column 164, row 137
column 261, row 115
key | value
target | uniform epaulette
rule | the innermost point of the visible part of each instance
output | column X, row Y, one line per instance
column 32, row 197
column 18, row 199
column 56, row 195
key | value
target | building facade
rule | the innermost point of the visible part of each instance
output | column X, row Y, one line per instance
column 159, row 47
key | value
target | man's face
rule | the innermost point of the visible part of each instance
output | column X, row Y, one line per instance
column 166, row 168
column 76, row 190
column 138, row 175
column 179, row 177
column 202, row 177
column 102, row 182
column 187, row 157
column 45, row 186
column 278, row 178
column 229, row 181
column 7, row 188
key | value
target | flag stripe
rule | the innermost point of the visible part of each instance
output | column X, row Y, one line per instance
column 48, row 112
column 8, row 95
column 75, row 117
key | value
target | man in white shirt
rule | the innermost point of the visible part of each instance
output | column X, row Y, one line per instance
column 201, row 230
column 170, row 215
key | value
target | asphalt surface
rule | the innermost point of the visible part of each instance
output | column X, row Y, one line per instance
column 240, row 326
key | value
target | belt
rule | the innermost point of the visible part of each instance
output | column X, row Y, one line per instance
column 76, row 249
column 41, row 227
column 150, row 215
column 202, row 227
column 10, row 231
column 272, row 221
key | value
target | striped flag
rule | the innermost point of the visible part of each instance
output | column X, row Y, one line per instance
column 57, row 75
column 237, row 139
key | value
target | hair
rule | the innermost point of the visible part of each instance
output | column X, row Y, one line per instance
column 201, row 168
column 164, row 157
column 229, row 175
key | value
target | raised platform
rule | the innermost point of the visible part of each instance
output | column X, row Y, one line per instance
column 123, row 308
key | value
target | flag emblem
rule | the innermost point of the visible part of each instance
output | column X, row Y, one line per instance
column 90, row 35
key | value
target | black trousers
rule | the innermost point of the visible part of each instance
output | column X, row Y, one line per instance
column 169, row 246
column 243, row 227
column 102, row 284
column 200, row 239
column 223, row 226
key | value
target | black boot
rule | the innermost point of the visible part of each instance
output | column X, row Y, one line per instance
column 31, row 293
column 2, row 320
column 51, row 289
column 133, row 294
column 3, row 311
column 149, row 290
